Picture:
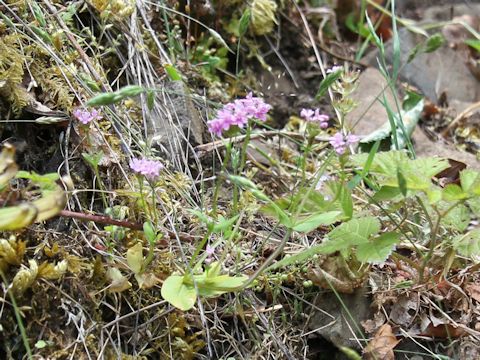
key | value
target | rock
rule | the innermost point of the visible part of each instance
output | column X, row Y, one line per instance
column 433, row 73
column 178, row 124
column 370, row 115
column 334, row 322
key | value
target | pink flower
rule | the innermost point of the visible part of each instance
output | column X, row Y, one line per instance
column 85, row 116
column 315, row 116
column 340, row 142
column 238, row 113
column 148, row 168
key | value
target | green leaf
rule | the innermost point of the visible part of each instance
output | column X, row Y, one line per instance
column 178, row 294
column 149, row 232
column 327, row 82
column 402, row 183
column 93, row 159
column 387, row 193
column 377, row 250
column 40, row 344
column 470, row 181
column 242, row 182
column 213, row 286
column 244, row 22
column 219, row 39
column 278, row 213
column 351, row 233
column 300, row 257
column 224, row 224
column 201, row 216
column 130, row 91
column 411, row 100
column 104, row 99
column 434, row 42
column 172, row 73
column 453, row 192
column 434, row 195
column 458, row 218
column 150, row 99
column 468, row 244
column 135, row 258
column 314, row 221
column 473, row 43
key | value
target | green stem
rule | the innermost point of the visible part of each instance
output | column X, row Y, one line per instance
column 18, row 317
column 434, row 238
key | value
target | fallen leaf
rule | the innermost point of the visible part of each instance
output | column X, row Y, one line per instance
column 474, row 291
column 444, row 331
column 382, row 345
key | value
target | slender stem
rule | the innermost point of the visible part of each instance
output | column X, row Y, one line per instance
column 217, row 182
column 18, row 317
column 434, row 237
column 267, row 262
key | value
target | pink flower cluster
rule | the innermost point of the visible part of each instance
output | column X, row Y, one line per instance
column 340, row 142
column 315, row 116
column 238, row 113
column 85, row 116
column 148, row 168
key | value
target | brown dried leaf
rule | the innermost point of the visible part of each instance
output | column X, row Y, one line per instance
column 474, row 291
column 382, row 345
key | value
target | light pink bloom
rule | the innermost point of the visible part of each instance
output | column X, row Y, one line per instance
column 315, row 116
column 85, row 116
column 148, row 168
column 238, row 113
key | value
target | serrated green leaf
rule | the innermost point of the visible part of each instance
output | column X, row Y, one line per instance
column 453, row 192
column 314, row 221
column 468, row 244
column 458, row 218
column 178, row 294
column 351, row 233
column 378, row 249
column 224, row 224
column 470, row 181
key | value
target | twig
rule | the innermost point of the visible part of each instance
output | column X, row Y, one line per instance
column 102, row 219
column 219, row 144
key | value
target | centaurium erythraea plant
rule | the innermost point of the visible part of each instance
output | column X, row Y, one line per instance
column 340, row 141
column 238, row 113
column 314, row 116
column 146, row 167
column 85, row 116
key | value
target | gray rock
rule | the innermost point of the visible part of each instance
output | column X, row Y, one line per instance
column 434, row 73
column 370, row 115
column 176, row 124
column 334, row 322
